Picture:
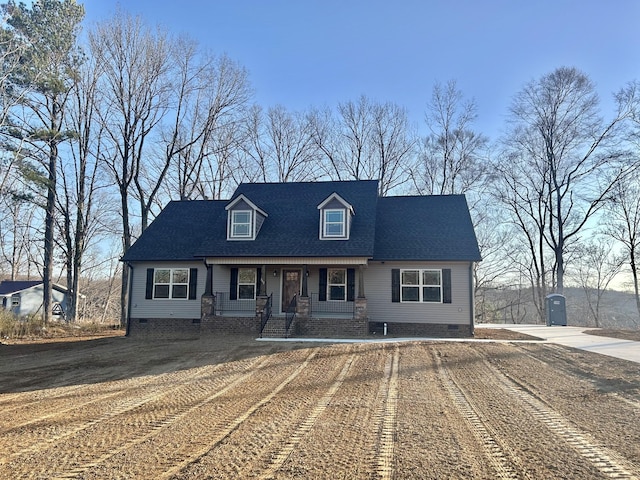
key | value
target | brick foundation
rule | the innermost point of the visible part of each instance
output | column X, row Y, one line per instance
column 330, row 327
column 303, row 327
column 420, row 330
column 178, row 328
column 219, row 325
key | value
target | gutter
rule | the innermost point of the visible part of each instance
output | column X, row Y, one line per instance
column 128, row 331
column 472, row 303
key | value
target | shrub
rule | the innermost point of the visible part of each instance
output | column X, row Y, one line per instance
column 12, row 326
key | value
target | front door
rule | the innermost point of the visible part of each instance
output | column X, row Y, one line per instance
column 290, row 287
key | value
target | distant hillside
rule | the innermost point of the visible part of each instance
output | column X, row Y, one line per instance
column 617, row 309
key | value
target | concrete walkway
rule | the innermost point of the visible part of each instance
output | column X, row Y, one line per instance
column 574, row 337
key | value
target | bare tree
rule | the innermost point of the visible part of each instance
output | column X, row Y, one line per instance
column 597, row 266
column 208, row 104
column 453, row 157
column 49, row 31
column 134, row 61
column 365, row 140
column 81, row 183
column 559, row 166
column 622, row 223
column 280, row 146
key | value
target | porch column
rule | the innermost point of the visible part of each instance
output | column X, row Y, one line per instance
column 208, row 299
column 361, row 281
column 208, row 286
column 262, row 288
column 305, row 272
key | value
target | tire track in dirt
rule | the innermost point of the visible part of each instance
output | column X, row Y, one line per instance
column 216, row 437
column 134, row 425
column 307, row 424
column 388, row 412
column 249, row 450
column 86, row 420
column 153, row 428
column 497, row 456
column 515, row 424
column 610, row 463
column 63, row 403
column 346, row 433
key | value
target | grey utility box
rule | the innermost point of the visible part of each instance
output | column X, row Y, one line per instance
column 556, row 309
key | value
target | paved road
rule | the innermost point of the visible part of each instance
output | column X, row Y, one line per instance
column 574, row 337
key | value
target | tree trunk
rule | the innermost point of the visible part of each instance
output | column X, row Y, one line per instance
column 48, row 233
column 636, row 287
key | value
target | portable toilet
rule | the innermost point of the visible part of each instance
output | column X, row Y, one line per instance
column 556, row 309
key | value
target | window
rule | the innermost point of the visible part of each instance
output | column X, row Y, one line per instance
column 241, row 224
column 337, row 284
column 170, row 283
column 334, row 225
column 246, row 283
column 421, row 285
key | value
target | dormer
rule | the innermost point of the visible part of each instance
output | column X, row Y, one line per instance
column 335, row 218
column 244, row 219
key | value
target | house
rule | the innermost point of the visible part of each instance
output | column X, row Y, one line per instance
column 26, row 297
column 328, row 259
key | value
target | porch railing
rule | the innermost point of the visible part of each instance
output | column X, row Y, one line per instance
column 330, row 307
column 266, row 313
column 290, row 315
column 225, row 305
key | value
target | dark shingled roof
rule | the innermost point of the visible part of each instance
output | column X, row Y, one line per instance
column 177, row 232
column 9, row 286
column 292, row 226
column 383, row 228
column 13, row 286
column 433, row 227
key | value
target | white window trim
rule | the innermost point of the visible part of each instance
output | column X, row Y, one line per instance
column 255, row 282
column 420, row 285
column 171, row 284
column 329, row 285
column 345, row 227
column 232, row 214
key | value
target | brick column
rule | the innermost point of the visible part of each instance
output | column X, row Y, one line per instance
column 261, row 301
column 302, row 307
column 360, row 312
column 207, row 306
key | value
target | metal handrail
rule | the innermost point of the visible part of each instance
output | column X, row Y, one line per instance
column 224, row 304
column 265, row 315
column 290, row 315
column 330, row 306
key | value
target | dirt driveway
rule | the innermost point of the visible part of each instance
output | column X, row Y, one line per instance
column 236, row 408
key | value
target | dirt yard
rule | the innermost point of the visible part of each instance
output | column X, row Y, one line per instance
column 236, row 408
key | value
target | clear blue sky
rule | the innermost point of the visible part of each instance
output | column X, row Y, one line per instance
column 302, row 53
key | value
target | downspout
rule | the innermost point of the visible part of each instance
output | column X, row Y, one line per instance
column 128, row 331
column 472, row 303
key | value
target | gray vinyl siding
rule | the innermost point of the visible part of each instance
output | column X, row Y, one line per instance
column 222, row 277
column 164, row 308
column 380, row 308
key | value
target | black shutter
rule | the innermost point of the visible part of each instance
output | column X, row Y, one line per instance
column 259, row 290
column 148, row 294
column 446, row 285
column 322, row 285
column 233, row 285
column 351, row 284
column 395, row 285
column 193, row 283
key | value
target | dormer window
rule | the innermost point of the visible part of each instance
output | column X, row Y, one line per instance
column 336, row 215
column 241, row 223
column 244, row 219
column 334, row 223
